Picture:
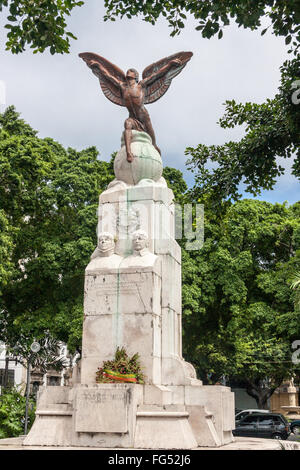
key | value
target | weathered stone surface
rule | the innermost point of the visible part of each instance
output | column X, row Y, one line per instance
column 123, row 309
column 90, row 365
column 126, row 291
column 203, row 412
column 50, row 430
column 176, row 371
column 147, row 163
column 139, row 192
column 202, row 424
column 151, row 194
column 47, row 396
column 178, row 394
column 102, row 409
column 53, row 423
column 94, row 343
column 157, row 395
column 171, row 289
column 148, row 208
column 164, row 431
column 168, row 247
column 102, row 264
column 219, row 401
column 113, row 394
column 239, row 443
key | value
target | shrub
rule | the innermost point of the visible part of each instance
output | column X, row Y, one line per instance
column 12, row 413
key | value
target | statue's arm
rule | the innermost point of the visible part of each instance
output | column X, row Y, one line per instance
column 160, row 72
column 105, row 73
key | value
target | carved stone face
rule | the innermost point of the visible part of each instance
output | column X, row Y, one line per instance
column 106, row 242
column 139, row 240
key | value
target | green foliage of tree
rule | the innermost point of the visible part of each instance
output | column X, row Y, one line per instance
column 12, row 413
column 176, row 182
column 49, row 195
column 214, row 15
column 238, row 313
column 6, row 247
column 41, row 24
column 296, row 286
column 272, row 130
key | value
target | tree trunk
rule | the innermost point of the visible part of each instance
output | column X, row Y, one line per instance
column 261, row 393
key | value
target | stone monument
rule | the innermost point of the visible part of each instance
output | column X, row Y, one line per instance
column 132, row 299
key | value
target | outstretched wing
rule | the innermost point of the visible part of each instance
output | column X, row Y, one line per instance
column 110, row 90
column 159, row 86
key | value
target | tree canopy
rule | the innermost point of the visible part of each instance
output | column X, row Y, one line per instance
column 214, row 15
column 48, row 202
column 272, row 131
column 239, row 317
column 40, row 24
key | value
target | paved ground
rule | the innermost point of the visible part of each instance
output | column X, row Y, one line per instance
column 241, row 443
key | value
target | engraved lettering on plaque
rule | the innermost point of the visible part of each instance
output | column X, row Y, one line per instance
column 101, row 410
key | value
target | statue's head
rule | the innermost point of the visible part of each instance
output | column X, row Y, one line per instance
column 132, row 73
column 139, row 240
column 105, row 242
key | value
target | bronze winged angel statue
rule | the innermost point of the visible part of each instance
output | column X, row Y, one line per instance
column 127, row 90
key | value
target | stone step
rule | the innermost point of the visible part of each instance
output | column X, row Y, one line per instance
column 162, row 414
column 51, row 412
column 61, row 409
column 57, row 407
column 161, row 409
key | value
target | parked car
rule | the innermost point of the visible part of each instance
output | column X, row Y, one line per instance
column 295, row 426
column 242, row 414
column 268, row 425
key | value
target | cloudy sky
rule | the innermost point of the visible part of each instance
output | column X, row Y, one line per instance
column 60, row 97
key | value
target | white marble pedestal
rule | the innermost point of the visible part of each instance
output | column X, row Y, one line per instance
column 133, row 416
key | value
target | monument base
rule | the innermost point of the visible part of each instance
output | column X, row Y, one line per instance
column 133, row 416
